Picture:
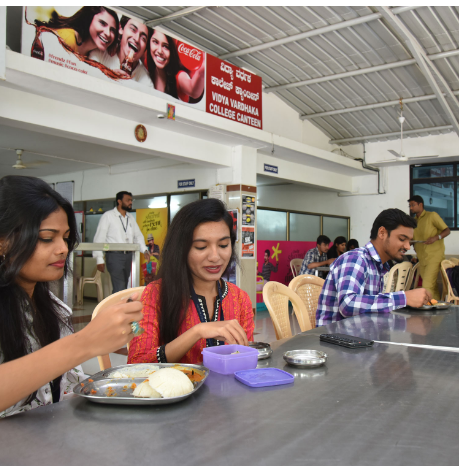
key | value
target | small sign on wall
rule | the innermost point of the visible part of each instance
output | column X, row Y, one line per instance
column 270, row 168
column 186, row 183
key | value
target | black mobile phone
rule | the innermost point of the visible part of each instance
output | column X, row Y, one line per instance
column 352, row 342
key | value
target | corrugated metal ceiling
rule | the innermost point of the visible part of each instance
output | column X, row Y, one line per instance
column 374, row 58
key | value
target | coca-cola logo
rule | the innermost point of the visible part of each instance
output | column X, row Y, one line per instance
column 191, row 58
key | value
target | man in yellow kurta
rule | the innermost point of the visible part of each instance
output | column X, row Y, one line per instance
column 431, row 229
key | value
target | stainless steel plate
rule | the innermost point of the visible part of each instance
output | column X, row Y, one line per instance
column 441, row 305
column 305, row 359
column 263, row 348
column 121, row 388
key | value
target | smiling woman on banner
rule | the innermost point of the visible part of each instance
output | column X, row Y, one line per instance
column 39, row 352
column 168, row 74
column 88, row 29
column 189, row 306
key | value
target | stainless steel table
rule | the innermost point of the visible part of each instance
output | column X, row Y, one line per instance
column 387, row 405
column 321, row 269
column 406, row 326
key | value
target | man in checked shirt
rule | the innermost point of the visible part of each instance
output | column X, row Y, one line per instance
column 355, row 282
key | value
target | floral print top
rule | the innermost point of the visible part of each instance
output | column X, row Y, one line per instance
column 68, row 380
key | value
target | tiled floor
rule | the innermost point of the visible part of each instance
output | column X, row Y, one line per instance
column 264, row 332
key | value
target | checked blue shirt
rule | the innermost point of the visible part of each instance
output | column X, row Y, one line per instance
column 312, row 256
column 354, row 286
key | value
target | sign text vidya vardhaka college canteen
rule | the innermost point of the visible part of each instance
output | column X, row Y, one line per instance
column 233, row 93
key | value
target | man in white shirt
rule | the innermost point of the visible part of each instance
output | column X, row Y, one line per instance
column 134, row 35
column 117, row 226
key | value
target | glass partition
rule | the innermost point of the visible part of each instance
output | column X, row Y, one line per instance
column 271, row 225
column 334, row 227
column 303, row 227
column 154, row 202
column 177, row 201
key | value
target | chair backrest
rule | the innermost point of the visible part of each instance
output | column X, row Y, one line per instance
column 454, row 260
column 276, row 297
column 412, row 283
column 401, row 271
column 308, row 287
column 295, row 265
column 104, row 359
column 448, row 294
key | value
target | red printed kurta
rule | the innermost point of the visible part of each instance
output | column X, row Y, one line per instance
column 236, row 305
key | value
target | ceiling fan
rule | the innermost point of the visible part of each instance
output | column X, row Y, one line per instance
column 19, row 165
column 401, row 156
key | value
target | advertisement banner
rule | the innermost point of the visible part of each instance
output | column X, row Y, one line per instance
column 248, row 210
column 248, row 242
column 273, row 261
column 233, row 93
column 153, row 224
column 234, row 213
column 102, row 42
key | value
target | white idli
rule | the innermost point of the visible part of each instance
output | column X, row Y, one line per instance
column 171, row 383
column 144, row 390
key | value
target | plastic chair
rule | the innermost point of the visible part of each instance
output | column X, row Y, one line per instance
column 276, row 297
column 104, row 360
column 95, row 279
column 308, row 287
column 401, row 271
column 295, row 265
column 412, row 283
column 447, row 288
column 454, row 260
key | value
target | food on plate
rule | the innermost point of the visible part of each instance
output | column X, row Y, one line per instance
column 110, row 392
column 195, row 375
column 171, row 383
column 432, row 302
column 144, row 390
column 129, row 372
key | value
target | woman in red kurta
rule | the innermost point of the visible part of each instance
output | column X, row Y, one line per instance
column 190, row 307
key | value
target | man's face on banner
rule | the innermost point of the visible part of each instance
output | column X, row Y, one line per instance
column 134, row 36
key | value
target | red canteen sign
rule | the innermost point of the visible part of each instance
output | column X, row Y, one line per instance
column 191, row 58
column 233, row 93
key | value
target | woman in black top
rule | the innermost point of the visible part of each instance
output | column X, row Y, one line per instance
column 338, row 247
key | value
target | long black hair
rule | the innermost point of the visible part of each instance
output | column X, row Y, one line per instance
column 174, row 271
column 80, row 21
column 24, row 203
column 173, row 67
column 339, row 240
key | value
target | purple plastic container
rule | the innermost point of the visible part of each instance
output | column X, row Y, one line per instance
column 220, row 358
column 264, row 377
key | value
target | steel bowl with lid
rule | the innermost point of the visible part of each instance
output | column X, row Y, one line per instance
column 305, row 359
column 263, row 348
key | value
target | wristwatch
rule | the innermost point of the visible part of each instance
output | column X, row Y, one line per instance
column 439, row 237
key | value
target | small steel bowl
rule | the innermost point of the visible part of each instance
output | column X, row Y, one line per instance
column 305, row 359
column 264, row 349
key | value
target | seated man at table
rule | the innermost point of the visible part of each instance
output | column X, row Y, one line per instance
column 316, row 257
column 355, row 282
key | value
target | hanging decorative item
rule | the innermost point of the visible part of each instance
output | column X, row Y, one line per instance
column 170, row 111
column 141, row 133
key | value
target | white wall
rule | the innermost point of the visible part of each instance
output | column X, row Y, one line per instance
column 280, row 119
column 99, row 184
column 362, row 210
column 446, row 145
